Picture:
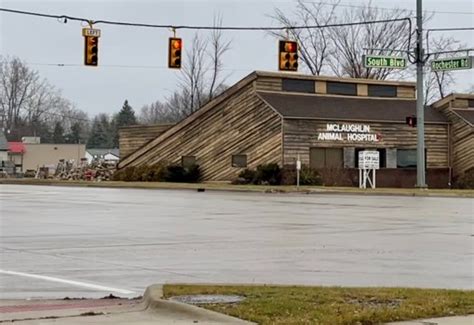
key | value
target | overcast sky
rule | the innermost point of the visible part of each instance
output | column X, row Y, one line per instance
column 44, row 42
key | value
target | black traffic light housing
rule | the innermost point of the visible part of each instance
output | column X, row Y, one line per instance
column 411, row 121
column 288, row 56
column 91, row 53
column 174, row 53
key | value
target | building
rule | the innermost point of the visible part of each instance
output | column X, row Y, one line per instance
column 3, row 147
column 31, row 156
column 133, row 137
column 108, row 155
column 276, row 117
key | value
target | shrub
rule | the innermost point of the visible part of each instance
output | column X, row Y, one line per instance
column 268, row 174
column 466, row 180
column 175, row 173
column 156, row 173
column 193, row 174
column 247, row 176
column 140, row 174
column 308, row 176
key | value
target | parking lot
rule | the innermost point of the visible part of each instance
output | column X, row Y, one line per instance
column 88, row 242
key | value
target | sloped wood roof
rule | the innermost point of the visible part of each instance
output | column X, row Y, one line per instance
column 312, row 106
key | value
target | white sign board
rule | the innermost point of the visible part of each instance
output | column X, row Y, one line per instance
column 369, row 159
column 91, row 32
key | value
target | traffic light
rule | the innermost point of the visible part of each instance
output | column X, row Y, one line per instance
column 174, row 53
column 411, row 121
column 91, row 56
column 288, row 56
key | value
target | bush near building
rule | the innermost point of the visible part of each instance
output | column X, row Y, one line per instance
column 159, row 173
column 272, row 174
column 466, row 180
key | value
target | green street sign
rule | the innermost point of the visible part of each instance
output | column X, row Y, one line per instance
column 390, row 62
column 452, row 64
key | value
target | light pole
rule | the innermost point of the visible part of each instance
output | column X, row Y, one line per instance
column 420, row 109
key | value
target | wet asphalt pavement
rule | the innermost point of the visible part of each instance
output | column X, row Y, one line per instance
column 125, row 240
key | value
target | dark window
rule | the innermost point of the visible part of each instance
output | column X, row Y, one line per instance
column 303, row 86
column 341, row 88
column 326, row 157
column 239, row 161
column 382, row 91
column 382, row 155
column 470, row 102
column 406, row 158
column 188, row 161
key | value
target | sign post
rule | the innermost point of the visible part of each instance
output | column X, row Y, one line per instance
column 298, row 169
column 369, row 162
column 388, row 62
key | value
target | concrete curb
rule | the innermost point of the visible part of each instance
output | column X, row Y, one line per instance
column 152, row 300
column 230, row 188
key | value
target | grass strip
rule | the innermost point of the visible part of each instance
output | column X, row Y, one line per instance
column 332, row 305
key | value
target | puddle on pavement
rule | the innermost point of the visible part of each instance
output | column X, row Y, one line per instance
column 208, row 299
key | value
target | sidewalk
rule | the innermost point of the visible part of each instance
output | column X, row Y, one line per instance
column 456, row 320
column 151, row 309
column 223, row 186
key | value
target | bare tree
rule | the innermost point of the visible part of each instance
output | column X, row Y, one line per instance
column 218, row 47
column 18, row 85
column 201, row 79
column 29, row 105
column 315, row 44
column 338, row 50
column 158, row 112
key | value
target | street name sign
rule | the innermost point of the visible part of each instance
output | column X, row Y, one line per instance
column 389, row 62
column 460, row 63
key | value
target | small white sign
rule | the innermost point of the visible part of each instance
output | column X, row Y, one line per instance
column 91, row 32
column 369, row 159
column 298, row 164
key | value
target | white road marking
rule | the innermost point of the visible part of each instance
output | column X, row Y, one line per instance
column 71, row 282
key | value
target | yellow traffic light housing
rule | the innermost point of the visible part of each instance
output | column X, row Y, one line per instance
column 288, row 56
column 91, row 54
column 174, row 52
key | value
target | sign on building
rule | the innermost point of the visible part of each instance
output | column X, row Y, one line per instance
column 389, row 62
column 348, row 132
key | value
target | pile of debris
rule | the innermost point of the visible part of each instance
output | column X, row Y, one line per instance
column 97, row 170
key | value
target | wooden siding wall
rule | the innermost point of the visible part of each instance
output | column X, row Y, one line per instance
column 462, row 137
column 275, row 84
column 243, row 124
column 133, row 137
column 300, row 135
column 266, row 83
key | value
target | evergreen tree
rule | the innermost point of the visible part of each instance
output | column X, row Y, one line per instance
column 125, row 117
column 75, row 135
column 58, row 133
column 101, row 135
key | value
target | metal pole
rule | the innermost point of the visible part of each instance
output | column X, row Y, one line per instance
column 420, row 111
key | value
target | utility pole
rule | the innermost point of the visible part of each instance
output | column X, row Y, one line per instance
column 420, row 109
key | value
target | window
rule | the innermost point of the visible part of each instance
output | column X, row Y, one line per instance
column 470, row 102
column 188, row 161
column 341, row 88
column 303, row 86
column 326, row 157
column 239, row 161
column 382, row 155
column 406, row 158
column 382, row 91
